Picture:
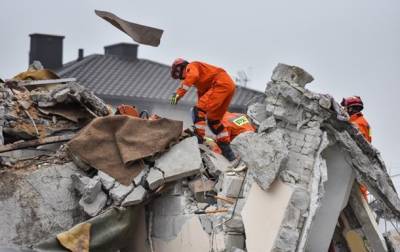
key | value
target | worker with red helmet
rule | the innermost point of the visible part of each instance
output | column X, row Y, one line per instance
column 354, row 106
column 215, row 90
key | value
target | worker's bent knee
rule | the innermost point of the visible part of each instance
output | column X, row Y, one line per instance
column 215, row 126
column 198, row 115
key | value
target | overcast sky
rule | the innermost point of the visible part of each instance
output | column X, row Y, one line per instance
column 350, row 47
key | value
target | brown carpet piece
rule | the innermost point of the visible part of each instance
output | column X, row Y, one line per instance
column 116, row 145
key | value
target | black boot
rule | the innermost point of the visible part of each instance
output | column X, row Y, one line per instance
column 227, row 151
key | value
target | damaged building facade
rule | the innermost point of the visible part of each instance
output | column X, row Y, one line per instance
column 102, row 191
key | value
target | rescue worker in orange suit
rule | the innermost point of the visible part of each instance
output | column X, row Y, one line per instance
column 215, row 90
column 235, row 124
column 354, row 106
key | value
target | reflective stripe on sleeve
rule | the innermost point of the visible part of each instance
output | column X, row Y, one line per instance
column 185, row 87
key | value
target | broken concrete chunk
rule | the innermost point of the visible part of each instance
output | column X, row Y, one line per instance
column 61, row 95
column 393, row 240
column 287, row 240
column 257, row 113
column 267, row 154
column 106, row 180
column 139, row 178
column 175, row 189
column 44, row 104
column 155, row 178
column 291, row 74
column 37, row 205
column 214, row 162
column 201, row 184
column 94, row 208
column 226, row 241
column 234, row 225
column 91, row 190
column 231, row 186
column 135, row 197
column 267, row 124
column 119, row 192
column 79, row 182
column 182, row 160
column 325, row 102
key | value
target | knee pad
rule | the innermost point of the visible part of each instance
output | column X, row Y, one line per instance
column 197, row 115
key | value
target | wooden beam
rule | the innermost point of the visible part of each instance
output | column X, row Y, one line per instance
column 36, row 142
column 44, row 82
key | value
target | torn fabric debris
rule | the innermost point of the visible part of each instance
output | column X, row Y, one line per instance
column 116, row 144
column 139, row 33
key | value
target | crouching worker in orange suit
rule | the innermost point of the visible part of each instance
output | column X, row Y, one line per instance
column 235, row 123
column 354, row 106
column 215, row 90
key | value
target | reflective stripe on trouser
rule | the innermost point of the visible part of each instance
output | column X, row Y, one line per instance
column 219, row 130
column 199, row 120
column 200, row 129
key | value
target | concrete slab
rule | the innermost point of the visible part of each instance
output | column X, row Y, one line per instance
column 267, row 154
column 94, row 207
column 37, row 205
column 155, row 178
column 337, row 192
column 366, row 218
column 263, row 214
column 182, row 160
column 91, row 190
column 106, row 180
column 135, row 197
column 191, row 238
column 231, row 186
column 119, row 192
column 201, row 185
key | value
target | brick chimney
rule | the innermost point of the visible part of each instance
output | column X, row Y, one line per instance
column 48, row 49
column 123, row 50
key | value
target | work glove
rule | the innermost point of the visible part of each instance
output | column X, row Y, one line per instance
column 174, row 99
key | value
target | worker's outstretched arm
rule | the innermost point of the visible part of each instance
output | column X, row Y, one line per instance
column 191, row 76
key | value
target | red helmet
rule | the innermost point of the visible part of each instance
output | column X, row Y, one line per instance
column 177, row 68
column 352, row 101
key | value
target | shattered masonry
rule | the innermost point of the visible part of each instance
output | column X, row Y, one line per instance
column 302, row 165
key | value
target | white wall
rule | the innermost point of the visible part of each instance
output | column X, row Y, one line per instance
column 337, row 191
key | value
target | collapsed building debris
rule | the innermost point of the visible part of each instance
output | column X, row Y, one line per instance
column 37, row 115
column 140, row 185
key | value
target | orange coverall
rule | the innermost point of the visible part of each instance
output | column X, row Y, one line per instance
column 235, row 124
column 358, row 119
column 363, row 126
column 215, row 90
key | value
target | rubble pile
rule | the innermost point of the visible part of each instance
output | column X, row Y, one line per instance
column 297, row 192
column 38, row 109
column 38, row 115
